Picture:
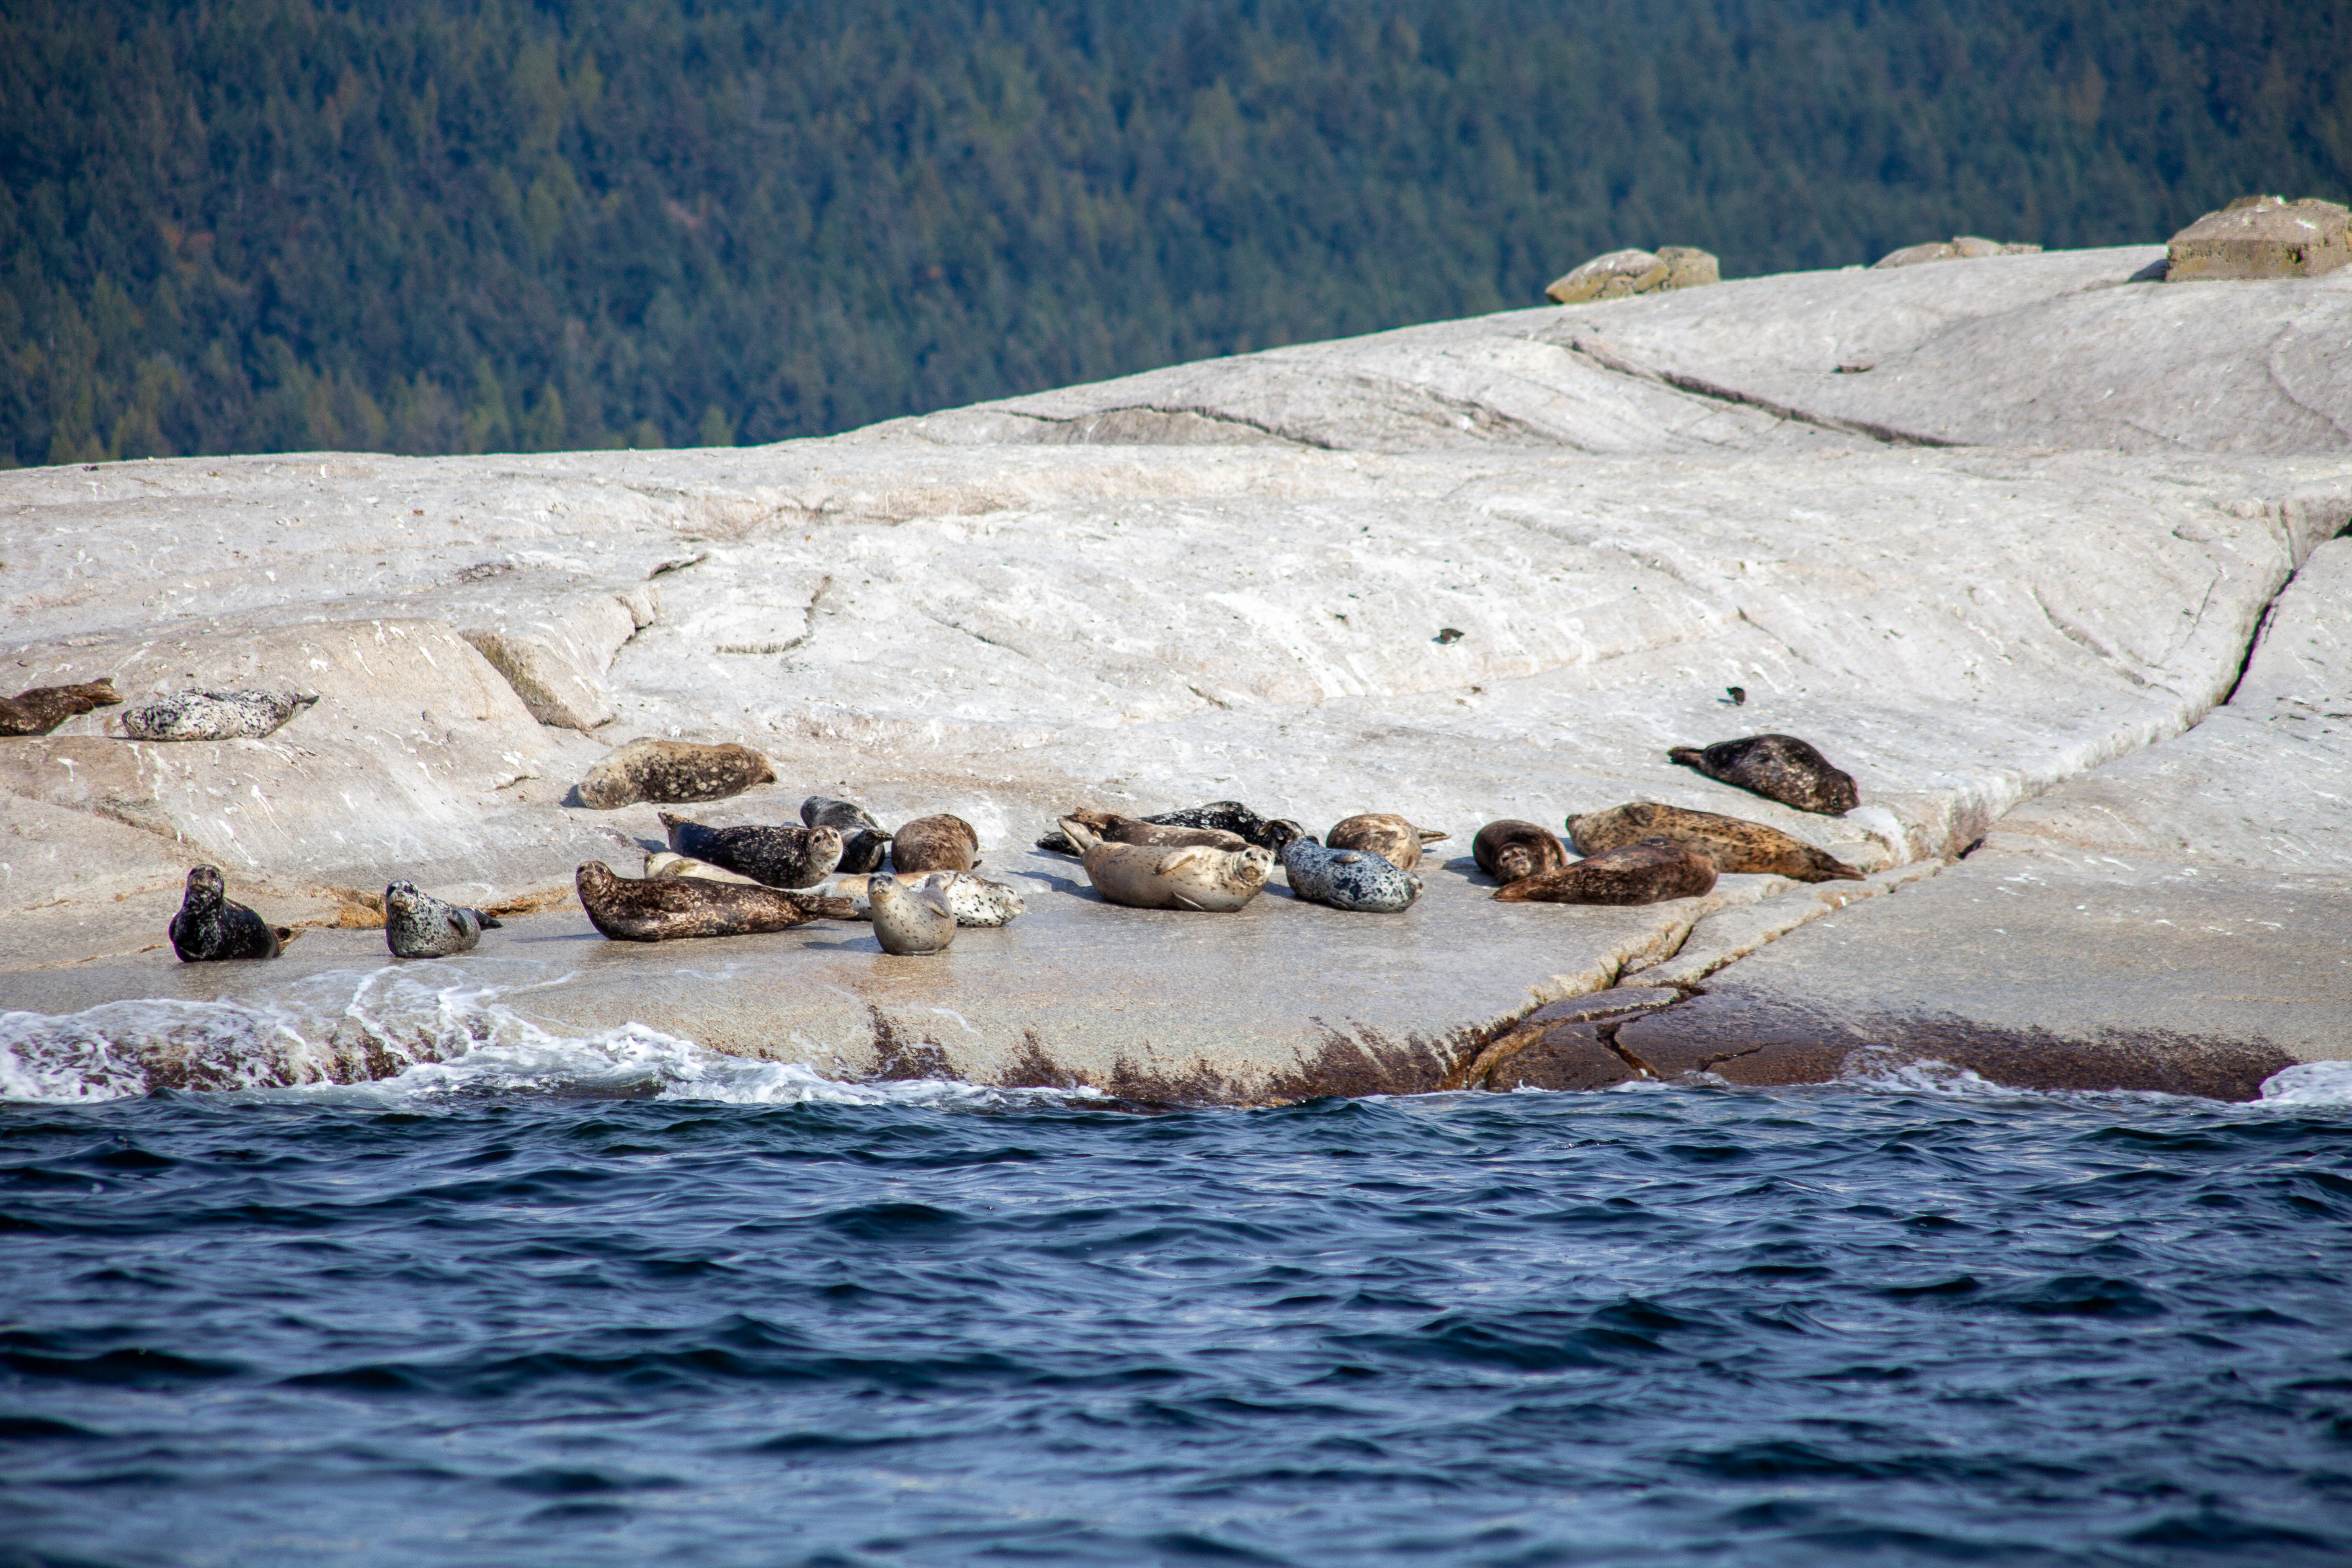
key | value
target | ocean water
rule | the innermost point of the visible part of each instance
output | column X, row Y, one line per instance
column 621, row 1302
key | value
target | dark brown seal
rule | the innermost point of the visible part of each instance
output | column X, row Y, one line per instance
column 1733, row 844
column 44, row 708
column 1511, row 850
column 864, row 841
column 671, row 773
column 1778, row 767
column 777, row 856
column 1386, row 835
column 1648, row 872
column 210, row 928
column 660, row 908
column 941, row 843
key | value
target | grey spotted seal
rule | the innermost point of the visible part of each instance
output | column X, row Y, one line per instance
column 864, row 841
column 1648, row 872
column 672, row 773
column 1347, row 879
column 664, row 863
column 1778, row 767
column 1142, row 877
column 937, row 843
column 975, row 900
column 215, row 715
column 1733, row 844
column 1217, row 815
column 910, row 917
column 210, row 927
column 1511, row 850
column 417, row 925
column 38, row 710
column 661, row 908
column 773, row 856
column 1386, row 835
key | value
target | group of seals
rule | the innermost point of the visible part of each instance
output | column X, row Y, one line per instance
column 1733, row 843
column 41, row 709
column 215, row 715
column 1218, row 858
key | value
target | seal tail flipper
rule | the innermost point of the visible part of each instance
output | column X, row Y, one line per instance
column 489, row 922
column 1184, row 903
column 1688, row 756
column 285, row 934
column 1430, row 834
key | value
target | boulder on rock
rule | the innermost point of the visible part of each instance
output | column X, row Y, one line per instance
column 1959, row 248
column 1625, row 273
column 2261, row 237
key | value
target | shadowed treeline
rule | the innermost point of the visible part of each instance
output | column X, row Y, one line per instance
column 258, row 225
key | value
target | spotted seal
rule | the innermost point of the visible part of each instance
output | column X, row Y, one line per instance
column 1217, row 815
column 1386, row 835
column 1195, row 877
column 939, row 843
column 910, row 917
column 215, row 715
column 1778, row 767
column 1648, row 872
column 864, row 841
column 1347, row 879
column 38, row 710
column 210, row 928
column 975, row 900
column 1511, row 850
column 660, row 908
column 417, row 925
column 1733, row 844
column 672, row 773
column 773, row 856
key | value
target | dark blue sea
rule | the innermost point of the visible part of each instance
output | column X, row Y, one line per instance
column 645, row 1317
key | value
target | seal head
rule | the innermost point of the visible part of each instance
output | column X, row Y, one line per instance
column 1511, row 850
column 210, row 928
column 1649, row 872
column 417, row 925
column 1778, row 767
column 864, row 841
column 939, row 843
column 1145, row 877
column 1347, row 879
column 661, row 908
column 1386, row 835
column 911, row 918
column 773, row 856
column 1733, row 844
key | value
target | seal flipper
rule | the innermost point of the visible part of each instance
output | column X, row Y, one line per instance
column 489, row 922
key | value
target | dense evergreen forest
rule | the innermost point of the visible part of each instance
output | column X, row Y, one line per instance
column 490, row 225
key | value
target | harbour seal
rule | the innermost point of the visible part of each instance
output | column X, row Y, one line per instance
column 416, row 925
column 664, row 863
column 210, row 928
column 213, row 715
column 672, row 773
column 939, row 843
column 974, row 899
column 1778, row 767
column 910, row 917
column 1386, row 835
column 1648, row 872
column 1347, row 879
column 1144, row 877
column 1219, row 815
column 1511, row 850
column 1733, row 845
column 661, row 908
column 864, row 841
column 41, row 709
column 771, row 857
column 1113, row 829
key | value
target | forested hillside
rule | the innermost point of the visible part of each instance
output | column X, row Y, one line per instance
column 485, row 225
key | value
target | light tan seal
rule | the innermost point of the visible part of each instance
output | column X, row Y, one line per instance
column 1386, row 835
column 1649, row 872
column 671, row 773
column 1733, row 844
column 939, row 843
column 661, row 908
column 910, row 917
column 1144, row 876
column 1511, row 850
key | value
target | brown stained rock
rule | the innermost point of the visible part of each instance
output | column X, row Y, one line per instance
column 2261, row 237
column 1689, row 267
column 1565, row 1056
column 1621, row 273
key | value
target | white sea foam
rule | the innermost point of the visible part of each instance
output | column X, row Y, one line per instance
column 2310, row 1083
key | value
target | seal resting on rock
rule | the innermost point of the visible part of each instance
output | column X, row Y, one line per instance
column 1142, row 877
column 209, row 926
column 661, row 908
column 1511, row 850
column 213, row 715
column 1347, row 879
column 42, row 708
column 1386, row 835
column 974, row 901
column 672, row 773
column 1113, row 829
column 1648, row 872
column 941, row 843
column 910, row 917
column 417, row 925
column 1217, row 815
column 663, row 863
column 1778, row 767
column 864, row 841
column 1733, row 845
column 773, row 856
